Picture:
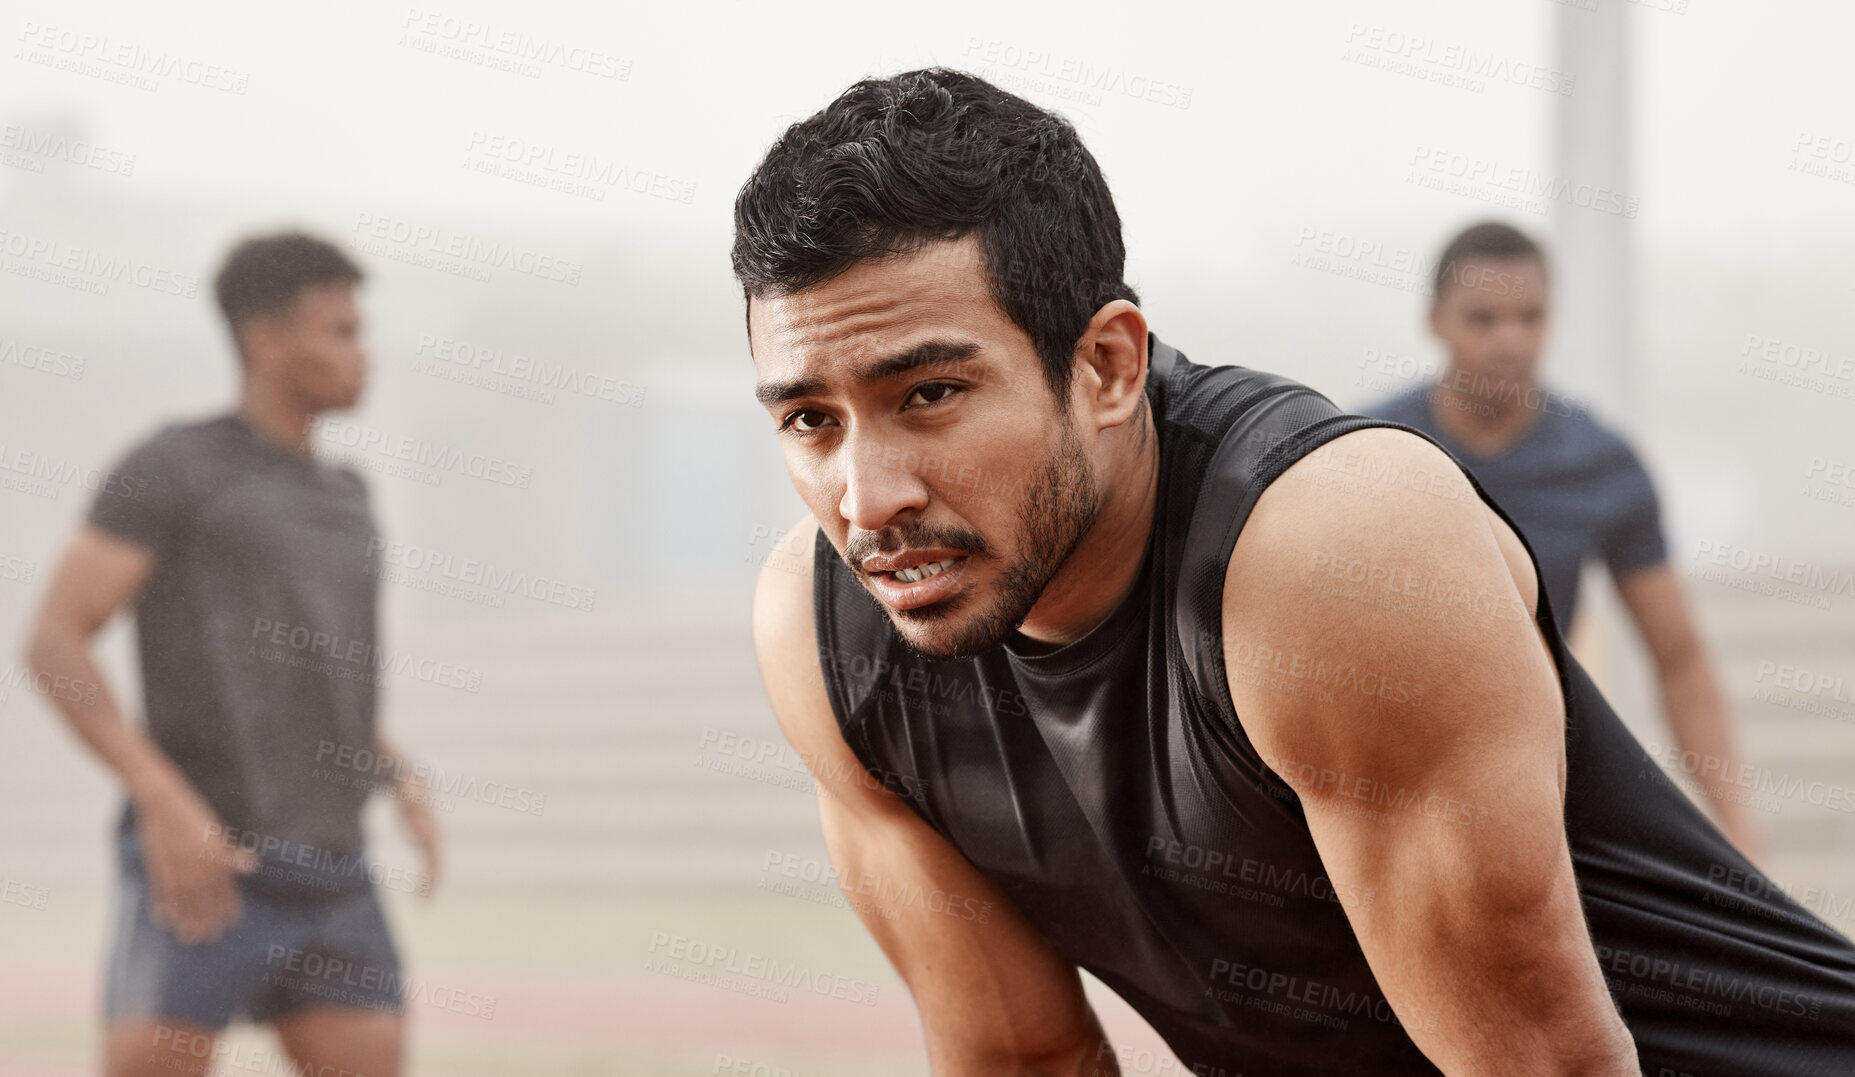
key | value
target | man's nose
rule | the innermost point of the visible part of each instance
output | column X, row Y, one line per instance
column 880, row 481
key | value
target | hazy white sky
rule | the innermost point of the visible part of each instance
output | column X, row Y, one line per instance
column 1291, row 111
column 1235, row 136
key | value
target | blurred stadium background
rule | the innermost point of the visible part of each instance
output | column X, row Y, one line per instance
column 1284, row 176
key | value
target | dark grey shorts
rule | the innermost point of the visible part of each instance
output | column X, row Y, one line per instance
column 279, row 957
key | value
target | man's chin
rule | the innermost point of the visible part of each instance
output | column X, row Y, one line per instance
column 948, row 634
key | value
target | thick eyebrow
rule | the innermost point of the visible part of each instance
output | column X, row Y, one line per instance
column 926, row 353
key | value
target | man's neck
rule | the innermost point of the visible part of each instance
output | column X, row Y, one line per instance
column 276, row 420
column 1102, row 570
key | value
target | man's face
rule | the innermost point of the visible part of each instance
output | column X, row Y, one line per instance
column 918, row 427
column 313, row 349
column 1492, row 316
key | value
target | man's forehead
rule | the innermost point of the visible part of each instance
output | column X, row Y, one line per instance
column 1490, row 281
column 870, row 307
column 319, row 302
column 326, row 295
column 1489, row 266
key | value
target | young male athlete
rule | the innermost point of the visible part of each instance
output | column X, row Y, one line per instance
column 1574, row 488
column 1251, row 707
column 244, row 887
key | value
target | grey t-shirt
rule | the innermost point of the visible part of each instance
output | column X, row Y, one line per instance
column 256, row 632
column 1576, row 489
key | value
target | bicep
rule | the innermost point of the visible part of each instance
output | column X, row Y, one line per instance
column 98, row 575
column 1447, row 792
column 1417, row 682
column 131, row 524
column 987, row 985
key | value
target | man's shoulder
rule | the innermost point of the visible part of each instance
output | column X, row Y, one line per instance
column 1388, row 472
column 178, row 439
column 1207, row 399
column 1247, row 424
column 1370, row 511
column 786, row 557
column 1316, row 462
column 1368, row 566
column 790, row 641
column 167, row 466
column 784, row 624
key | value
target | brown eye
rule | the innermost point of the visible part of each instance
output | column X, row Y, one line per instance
column 934, row 392
column 798, row 417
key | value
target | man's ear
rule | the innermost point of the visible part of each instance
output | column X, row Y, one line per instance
column 1113, row 357
column 260, row 338
column 255, row 340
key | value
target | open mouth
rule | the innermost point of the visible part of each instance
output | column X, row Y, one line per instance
column 919, row 585
column 922, row 572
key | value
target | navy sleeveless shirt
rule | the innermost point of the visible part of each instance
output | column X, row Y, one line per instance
column 1107, row 787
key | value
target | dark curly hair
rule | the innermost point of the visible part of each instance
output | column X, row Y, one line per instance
column 1486, row 240
column 933, row 154
column 263, row 275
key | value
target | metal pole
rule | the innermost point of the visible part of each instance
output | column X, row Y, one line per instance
column 1592, row 348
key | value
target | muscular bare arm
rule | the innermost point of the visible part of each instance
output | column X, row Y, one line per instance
column 995, row 1000
column 1483, row 950
column 190, row 874
column 1691, row 699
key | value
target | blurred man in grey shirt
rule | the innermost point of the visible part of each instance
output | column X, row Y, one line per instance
column 244, row 888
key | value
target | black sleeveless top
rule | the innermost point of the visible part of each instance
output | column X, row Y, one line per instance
column 1107, row 787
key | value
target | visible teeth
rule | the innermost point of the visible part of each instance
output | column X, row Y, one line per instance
column 921, row 572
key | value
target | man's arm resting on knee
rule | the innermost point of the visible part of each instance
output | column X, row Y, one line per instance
column 1431, row 765
column 994, row 998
